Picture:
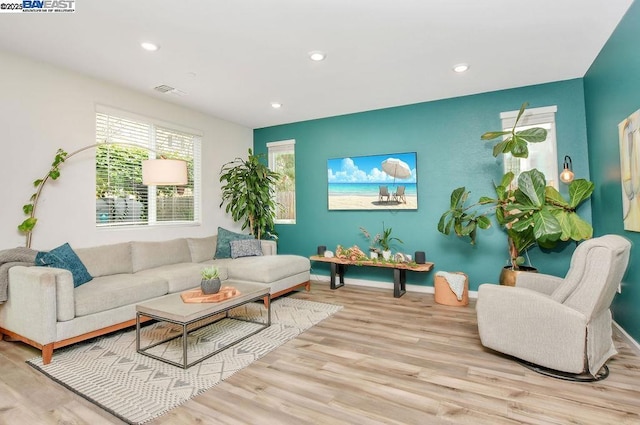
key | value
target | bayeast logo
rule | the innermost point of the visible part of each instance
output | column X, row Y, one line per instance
column 48, row 5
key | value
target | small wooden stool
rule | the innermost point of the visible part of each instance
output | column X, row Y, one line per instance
column 444, row 295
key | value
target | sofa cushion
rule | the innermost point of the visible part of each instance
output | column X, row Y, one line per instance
column 223, row 246
column 202, row 249
column 266, row 268
column 104, row 260
column 147, row 255
column 63, row 257
column 245, row 248
column 109, row 292
column 180, row 277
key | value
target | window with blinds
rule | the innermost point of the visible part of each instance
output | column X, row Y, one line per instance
column 282, row 160
column 121, row 198
column 543, row 155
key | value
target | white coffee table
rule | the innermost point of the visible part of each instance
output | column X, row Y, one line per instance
column 172, row 309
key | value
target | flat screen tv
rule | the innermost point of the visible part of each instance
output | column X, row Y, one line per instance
column 373, row 182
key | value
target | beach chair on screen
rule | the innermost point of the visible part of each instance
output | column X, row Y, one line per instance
column 384, row 193
column 398, row 196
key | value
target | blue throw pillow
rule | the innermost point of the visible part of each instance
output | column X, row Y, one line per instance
column 223, row 246
column 63, row 257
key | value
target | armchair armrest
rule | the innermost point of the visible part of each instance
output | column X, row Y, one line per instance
column 543, row 283
column 531, row 326
column 38, row 298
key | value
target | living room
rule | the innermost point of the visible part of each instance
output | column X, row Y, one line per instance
column 46, row 106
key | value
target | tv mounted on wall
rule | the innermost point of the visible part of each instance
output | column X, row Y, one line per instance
column 373, row 182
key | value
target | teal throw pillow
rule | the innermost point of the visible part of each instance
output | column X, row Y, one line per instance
column 63, row 257
column 223, row 246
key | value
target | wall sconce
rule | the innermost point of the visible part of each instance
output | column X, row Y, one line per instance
column 567, row 173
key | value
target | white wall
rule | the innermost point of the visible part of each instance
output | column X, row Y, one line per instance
column 43, row 108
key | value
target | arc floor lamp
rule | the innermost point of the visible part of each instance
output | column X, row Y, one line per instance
column 155, row 172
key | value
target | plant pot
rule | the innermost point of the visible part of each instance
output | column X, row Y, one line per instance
column 508, row 276
column 386, row 255
column 210, row 286
column 373, row 255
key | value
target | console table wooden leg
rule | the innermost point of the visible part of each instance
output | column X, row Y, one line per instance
column 339, row 269
column 399, row 282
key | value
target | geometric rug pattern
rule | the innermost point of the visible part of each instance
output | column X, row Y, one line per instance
column 110, row 373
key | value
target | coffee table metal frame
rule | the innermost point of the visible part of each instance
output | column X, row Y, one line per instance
column 185, row 328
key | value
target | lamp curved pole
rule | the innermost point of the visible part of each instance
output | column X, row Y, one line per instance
column 61, row 157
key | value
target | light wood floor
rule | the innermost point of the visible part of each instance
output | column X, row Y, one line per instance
column 380, row 360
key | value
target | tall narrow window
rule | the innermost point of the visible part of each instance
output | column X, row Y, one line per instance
column 542, row 156
column 282, row 160
column 121, row 198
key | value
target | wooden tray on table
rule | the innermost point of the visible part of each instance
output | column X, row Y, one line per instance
column 197, row 296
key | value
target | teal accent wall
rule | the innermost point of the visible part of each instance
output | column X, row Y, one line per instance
column 612, row 93
column 445, row 134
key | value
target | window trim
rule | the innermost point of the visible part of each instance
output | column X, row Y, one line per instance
column 272, row 149
column 532, row 117
column 153, row 151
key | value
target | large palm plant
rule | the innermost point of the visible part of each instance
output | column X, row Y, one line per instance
column 533, row 213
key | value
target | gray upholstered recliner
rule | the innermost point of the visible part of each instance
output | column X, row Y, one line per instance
column 556, row 323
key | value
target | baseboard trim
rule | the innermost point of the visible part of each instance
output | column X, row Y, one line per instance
column 632, row 342
column 384, row 285
column 429, row 290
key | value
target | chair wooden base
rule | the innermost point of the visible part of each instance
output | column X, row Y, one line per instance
column 566, row 376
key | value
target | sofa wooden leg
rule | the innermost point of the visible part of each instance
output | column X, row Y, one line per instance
column 307, row 286
column 47, row 353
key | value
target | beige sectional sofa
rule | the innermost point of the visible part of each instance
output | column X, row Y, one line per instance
column 46, row 311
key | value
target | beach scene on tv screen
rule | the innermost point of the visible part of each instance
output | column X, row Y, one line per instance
column 386, row 181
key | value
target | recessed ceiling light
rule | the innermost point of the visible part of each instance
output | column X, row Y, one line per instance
column 461, row 67
column 276, row 105
column 317, row 55
column 150, row 47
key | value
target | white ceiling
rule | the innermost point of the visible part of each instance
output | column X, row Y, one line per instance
column 233, row 58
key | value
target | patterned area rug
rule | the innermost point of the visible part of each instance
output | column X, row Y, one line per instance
column 110, row 373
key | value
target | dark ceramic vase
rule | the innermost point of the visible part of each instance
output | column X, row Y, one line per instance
column 210, row 286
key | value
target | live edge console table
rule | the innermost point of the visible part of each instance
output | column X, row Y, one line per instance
column 339, row 267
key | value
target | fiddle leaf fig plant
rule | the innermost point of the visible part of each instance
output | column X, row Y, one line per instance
column 248, row 192
column 530, row 212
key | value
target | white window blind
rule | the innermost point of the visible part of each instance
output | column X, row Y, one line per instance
column 543, row 155
column 282, row 160
column 121, row 198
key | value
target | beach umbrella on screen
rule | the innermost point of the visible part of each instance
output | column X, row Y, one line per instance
column 396, row 168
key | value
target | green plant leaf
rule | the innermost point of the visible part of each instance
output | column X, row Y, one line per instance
column 27, row 208
column 579, row 191
column 490, row 135
column 37, row 183
column 458, row 197
column 532, row 184
column 519, row 148
column 484, row 222
column 552, row 194
column 28, row 225
column 532, row 135
column 546, row 227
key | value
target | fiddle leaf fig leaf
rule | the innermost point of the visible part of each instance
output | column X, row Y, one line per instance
column 533, row 135
column 532, row 184
column 545, row 226
column 552, row 194
column 484, row 222
column 490, row 135
column 519, row 148
column 579, row 191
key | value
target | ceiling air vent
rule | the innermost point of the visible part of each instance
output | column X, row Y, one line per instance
column 164, row 88
column 170, row 90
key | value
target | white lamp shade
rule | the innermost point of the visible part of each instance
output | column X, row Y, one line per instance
column 164, row 172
